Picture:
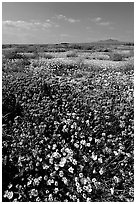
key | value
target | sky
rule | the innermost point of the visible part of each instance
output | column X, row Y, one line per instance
column 57, row 22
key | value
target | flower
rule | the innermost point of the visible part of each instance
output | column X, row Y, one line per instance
column 62, row 162
column 112, row 191
column 61, row 173
column 131, row 191
column 101, row 171
column 79, row 189
column 77, row 184
column 51, row 160
column 15, row 200
column 56, row 190
column 90, row 139
column 10, row 186
column 49, row 182
column 64, row 179
column 100, row 160
column 116, row 179
column 83, row 142
column 45, row 177
column 71, row 170
column 76, row 179
column 54, row 146
column 88, row 144
column 89, row 189
column 87, row 122
column 97, row 141
column 8, row 194
column 88, row 199
column 56, row 183
column 94, row 157
column 55, row 155
column 34, row 192
column 74, row 162
column 103, row 134
column 38, row 199
column 50, row 197
column 76, row 145
column 84, row 195
column 37, row 163
column 81, row 167
column 56, row 166
column 85, row 158
column 45, row 166
column 81, row 175
column 29, row 182
column 36, row 182
column 116, row 153
column 85, row 188
column 94, row 180
column 69, row 151
column 47, row 191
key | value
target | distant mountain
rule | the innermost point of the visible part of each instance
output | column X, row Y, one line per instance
column 109, row 41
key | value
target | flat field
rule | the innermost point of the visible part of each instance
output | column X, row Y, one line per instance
column 68, row 125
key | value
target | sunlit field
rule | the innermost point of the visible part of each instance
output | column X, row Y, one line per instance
column 68, row 125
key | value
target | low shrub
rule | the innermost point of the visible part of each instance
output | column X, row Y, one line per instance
column 103, row 57
column 17, row 65
column 128, row 54
column 12, row 55
column 72, row 54
column 30, row 55
column 98, row 57
column 48, row 56
column 116, row 57
column 128, row 67
column 106, row 50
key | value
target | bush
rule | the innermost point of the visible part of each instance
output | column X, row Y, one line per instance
column 91, row 48
column 30, row 55
column 116, row 57
column 128, row 54
column 48, row 56
column 72, row 54
column 97, row 56
column 128, row 67
column 12, row 55
column 106, row 50
column 18, row 65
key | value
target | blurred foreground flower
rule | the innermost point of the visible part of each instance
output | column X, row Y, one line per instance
column 8, row 194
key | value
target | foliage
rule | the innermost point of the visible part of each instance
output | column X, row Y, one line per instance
column 17, row 65
column 116, row 57
column 72, row 54
column 98, row 56
column 30, row 56
column 12, row 55
column 47, row 56
column 73, row 139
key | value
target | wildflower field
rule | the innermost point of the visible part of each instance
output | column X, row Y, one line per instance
column 68, row 130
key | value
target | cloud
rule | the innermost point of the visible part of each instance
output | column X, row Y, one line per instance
column 26, row 25
column 104, row 23
column 70, row 20
column 97, row 19
column 48, row 20
column 26, row 31
column 60, row 16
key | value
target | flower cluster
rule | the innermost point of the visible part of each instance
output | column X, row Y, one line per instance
column 74, row 140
